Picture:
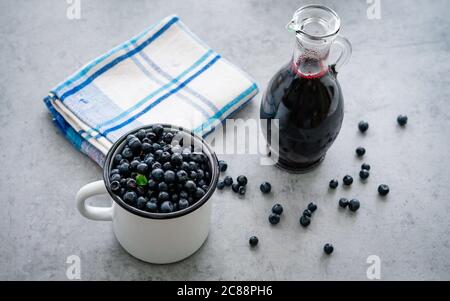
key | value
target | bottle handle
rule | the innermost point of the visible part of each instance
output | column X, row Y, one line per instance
column 346, row 51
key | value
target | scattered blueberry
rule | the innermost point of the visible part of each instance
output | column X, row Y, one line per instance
column 305, row 221
column 402, row 120
column 334, row 184
column 365, row 166
column 383, row 190
column 312, row 207
column 265, row 187
column 328, row 249
column 235, row 187
column 354, row 205
column 223, row 165
column 277, row 209
column 363, row 126
column 220, row 185
column 228, row 181
column 364, row 174
column 274, row 218
column 348, row 180
column 307, row 213
column 360, row 151
column 242, row 190
column 253, row 241
column 343, row 203
column 242, row 180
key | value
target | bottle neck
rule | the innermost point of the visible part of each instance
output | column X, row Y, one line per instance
column 310, row 58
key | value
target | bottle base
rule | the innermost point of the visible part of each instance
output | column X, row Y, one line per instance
column 298, row 168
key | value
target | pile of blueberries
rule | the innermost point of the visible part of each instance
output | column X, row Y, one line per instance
column 241, row 181
column 154, row 173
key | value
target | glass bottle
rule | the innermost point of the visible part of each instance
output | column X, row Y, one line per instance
column 304, row 96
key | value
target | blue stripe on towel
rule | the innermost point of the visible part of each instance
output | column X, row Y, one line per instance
column 160, row 99
column 226, row 108
column 118, row 60
column 154, row 93
column 161, row 83
column 98, row 60
column 158, row 69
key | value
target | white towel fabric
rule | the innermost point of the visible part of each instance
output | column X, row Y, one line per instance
column 166, row 74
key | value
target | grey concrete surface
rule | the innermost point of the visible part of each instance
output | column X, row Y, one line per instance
column 400, row 64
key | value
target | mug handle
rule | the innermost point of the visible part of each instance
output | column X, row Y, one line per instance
column 93, row 212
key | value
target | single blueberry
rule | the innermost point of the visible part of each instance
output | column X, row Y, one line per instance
column 141, row 134
column 360, row 151
column 277, row 209
column 334, row 184
column 124, row 169
column 147, row 147
column 265, row 187
column 157, row 174
column 162, row 186
column 182, row 176
column 307, row 213
column 151, row 206
column 156, row 165
column 228, row 181
column 220, row 185
column 364, row 174
column 117, row 158
column 343, row 203
column 134, row 164
column 253, row 241
column 115, row 177
column 190, row 186
column 383, row 190
column 130, row 197
column 242, row 190
column 402, row 120
column 158, row 129
column 142, row 168
column 199, row 193
column 165, row 156
column 328, row 249
column 305, row 221
column 152, row 184
column 141, row 202
column 176, row 159
column 114, row 186
column 166, row 207
column 354, row 205
column 131, row 184
column 167, row 166
column 168, row 138
column 223, row 165
column 169, row 176
column 274, row 218
column 183, row 204
column 242, row 180
column 235, row 187
column 127, row 153
column 135, row 145
column 312, row 207
column 363, row 126
column 200, row 174
column 114, row 171
column 365, row 166
column 348, row 180
column 163, row 196
column 193, row 175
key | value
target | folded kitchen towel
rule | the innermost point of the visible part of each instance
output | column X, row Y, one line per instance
column 166, row 74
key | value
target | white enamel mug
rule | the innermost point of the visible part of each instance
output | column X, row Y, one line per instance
column 153, row 237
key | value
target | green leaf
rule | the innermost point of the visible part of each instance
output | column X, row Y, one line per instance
column 141, row 180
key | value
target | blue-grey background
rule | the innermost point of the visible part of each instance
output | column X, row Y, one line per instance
column 400, row 65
